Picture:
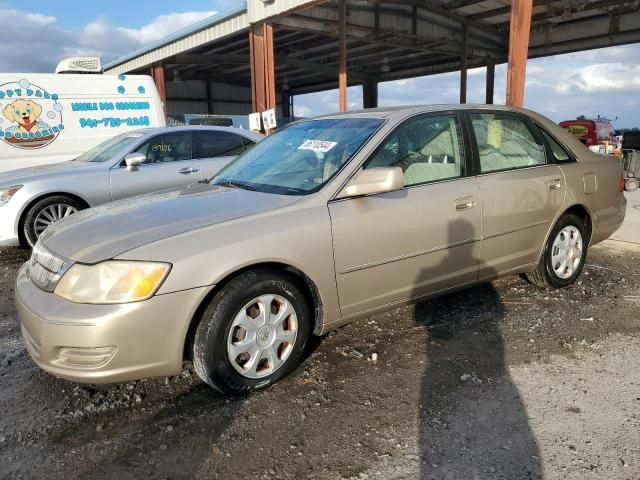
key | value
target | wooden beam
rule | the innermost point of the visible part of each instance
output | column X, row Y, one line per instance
column 157, row 73
column 491, row 75
column 342, row 61
column 261, row 53
column 519, row 31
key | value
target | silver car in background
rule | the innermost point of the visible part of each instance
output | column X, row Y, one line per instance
column 128, row 164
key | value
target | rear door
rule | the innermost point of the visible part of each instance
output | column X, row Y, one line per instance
column 392, row 248
column 169, row 164
column 216, row 148
column 521, row 190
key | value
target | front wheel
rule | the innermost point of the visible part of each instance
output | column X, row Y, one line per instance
column 253, row 332
column 46, row 212
column 564, row 254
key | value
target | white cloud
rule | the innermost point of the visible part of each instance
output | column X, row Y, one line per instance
column 35, row 43
column 607, row 77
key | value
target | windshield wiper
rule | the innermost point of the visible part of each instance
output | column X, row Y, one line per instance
column 236, row 184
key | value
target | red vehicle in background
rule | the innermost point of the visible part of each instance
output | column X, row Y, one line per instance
column 590, row 131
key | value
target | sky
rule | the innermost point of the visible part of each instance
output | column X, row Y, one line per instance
column 37, row 34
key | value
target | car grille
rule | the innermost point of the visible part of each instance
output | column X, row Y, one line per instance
column 45, row 268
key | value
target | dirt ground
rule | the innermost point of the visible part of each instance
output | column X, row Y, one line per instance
column 502, row 381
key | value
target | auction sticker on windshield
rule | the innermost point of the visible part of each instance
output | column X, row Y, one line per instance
column 322, row 146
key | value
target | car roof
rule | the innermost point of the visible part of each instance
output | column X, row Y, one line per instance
column 156, row 130
column 407, row 110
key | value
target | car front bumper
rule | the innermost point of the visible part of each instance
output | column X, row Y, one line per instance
column 105, row 343
column 8, row 232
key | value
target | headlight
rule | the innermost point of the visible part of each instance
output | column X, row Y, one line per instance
column 7, row 192
column 112, row 282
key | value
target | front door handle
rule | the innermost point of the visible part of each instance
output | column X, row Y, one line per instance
column 465, row 203
column 554, row 184
column 188, row 170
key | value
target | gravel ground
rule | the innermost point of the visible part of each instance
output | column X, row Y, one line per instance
column 502, row 381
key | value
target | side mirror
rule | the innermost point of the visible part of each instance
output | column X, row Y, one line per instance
column 133, row 160
column 374, row 180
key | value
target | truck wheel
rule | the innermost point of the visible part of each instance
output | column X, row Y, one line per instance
column 564, row 254
column 46, row 212
column 253, row 332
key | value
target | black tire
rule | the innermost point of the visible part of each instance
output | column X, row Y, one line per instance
column 210, row 358
column 631, row 184
column 544, row 276
column 29, row 235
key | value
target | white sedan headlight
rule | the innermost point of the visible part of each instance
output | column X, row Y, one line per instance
column 114, row 281
column 7, row 192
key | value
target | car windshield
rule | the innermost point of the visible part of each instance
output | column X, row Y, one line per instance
column 106, row 150
column 299, row 159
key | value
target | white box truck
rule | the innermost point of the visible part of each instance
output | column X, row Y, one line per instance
column 47, row 118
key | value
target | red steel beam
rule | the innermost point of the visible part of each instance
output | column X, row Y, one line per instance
column 157, row 74
column 342, row 60
column 519, row 31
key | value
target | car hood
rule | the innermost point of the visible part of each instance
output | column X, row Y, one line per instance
column 109, row 230
column 29, row 174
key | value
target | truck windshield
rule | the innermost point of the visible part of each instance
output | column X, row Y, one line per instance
column 107, row 149
column 299, row 159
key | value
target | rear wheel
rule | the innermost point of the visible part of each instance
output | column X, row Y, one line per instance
column 631, row 184
column 253, row 332
column 45, row 213
column 564, row 254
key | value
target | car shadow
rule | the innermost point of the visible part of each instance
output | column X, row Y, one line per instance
column 472, row 424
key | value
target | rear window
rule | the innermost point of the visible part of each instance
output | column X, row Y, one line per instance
column 217, row 144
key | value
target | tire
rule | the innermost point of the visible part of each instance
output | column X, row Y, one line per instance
column 49, row 209
column 272, row 352
column 550, row 272
column 631, row 184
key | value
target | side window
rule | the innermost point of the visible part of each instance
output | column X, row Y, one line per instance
column 558, row 151
column 427, row 149
column 505, row 143
column 168, row 147
column 247, row 143
column 210, row 144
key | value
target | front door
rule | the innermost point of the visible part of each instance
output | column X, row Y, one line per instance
column 521, row 191
column 169, row 164
column 396, row 247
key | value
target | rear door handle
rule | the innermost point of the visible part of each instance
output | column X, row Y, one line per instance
column 188, row 170
column 554, row 184
column 465, row 203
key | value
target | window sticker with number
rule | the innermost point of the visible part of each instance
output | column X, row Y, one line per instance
column 321, row 146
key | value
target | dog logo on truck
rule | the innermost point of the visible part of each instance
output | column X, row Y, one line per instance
column 31, row 116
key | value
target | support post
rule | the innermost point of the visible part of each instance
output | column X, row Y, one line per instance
column 491, row 75
column 261, row 53
column 157, row 74
column 342, row 47
column 209, row 106
column 463, row 64
column 286, row 103
column 519, row 29
column 370, row 92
